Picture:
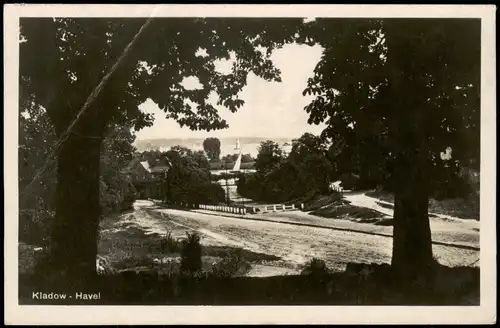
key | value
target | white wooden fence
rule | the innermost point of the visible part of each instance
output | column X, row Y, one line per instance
column 276, row 208
column 243, row 210
column 223, row 208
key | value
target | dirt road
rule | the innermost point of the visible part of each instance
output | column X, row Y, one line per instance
column 294, row 244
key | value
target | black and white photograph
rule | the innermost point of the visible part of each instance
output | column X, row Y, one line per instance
column 249, row 157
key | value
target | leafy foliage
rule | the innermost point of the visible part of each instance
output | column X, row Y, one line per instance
column 36, row 139
column 189, row 180
column 74, row 54
column 168, row 244
column 351, row 84
column 231, row 158
column 65, row 61
column 117, row 191
column 212, row 148
column 315, row 268
column 233, row 264
column 383, row 109
column 304, row 171
column 269, row 156
column 191, row 254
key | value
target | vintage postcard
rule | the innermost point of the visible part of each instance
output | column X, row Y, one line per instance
column 266, row 164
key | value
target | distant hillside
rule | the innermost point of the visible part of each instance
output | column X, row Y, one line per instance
column 197, row 143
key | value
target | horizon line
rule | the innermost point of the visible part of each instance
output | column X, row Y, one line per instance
column 229, row 137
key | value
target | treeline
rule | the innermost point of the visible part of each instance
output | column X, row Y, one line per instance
column 188, row 179
column 305, row 171
column 314, row 162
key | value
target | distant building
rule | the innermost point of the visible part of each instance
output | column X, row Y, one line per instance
column 147, row 179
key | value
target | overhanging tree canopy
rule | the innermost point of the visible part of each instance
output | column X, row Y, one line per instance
column 62, row 61
column 411, row 86
column 407, row 88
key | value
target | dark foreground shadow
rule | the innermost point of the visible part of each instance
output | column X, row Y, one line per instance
column 451, row 286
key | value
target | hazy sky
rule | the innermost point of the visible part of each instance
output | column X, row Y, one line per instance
column 271, row 109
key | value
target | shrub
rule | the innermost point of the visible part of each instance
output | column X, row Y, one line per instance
column 198, row 190
column 191, row 254
column 231, row 265
column 168, row 244
column 116, row 193
column 315, row 267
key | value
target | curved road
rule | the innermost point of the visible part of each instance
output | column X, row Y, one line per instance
column 294, row 244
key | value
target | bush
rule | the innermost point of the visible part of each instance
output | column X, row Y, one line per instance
column 129, row 196
column 116, row 194
column 315, row 267
column 168, row 244
column 291, row 179
column 231, row 265
column 213, row 193
column 193, row 185
column 191, row 254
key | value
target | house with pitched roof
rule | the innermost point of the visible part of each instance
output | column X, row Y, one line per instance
column 148, row 179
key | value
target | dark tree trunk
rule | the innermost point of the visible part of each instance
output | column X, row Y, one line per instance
column 412, row 245
column 75, row 228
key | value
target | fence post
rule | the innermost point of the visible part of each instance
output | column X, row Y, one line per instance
column 274, row 208
column 302, row 206
column 284, row 207
column 293, row 206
